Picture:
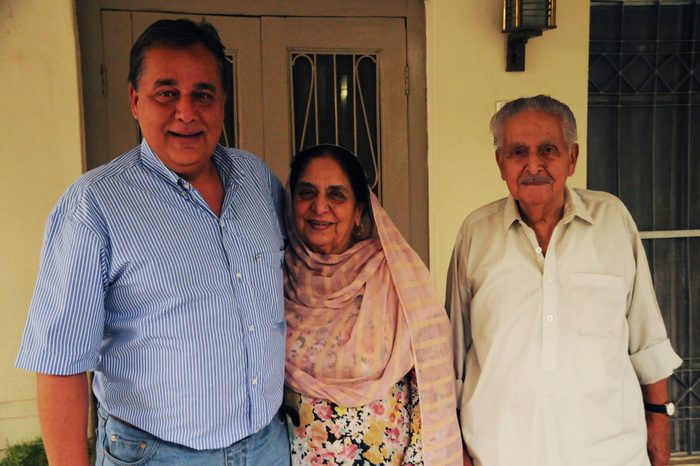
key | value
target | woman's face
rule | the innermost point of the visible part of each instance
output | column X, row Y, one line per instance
column 325, row 209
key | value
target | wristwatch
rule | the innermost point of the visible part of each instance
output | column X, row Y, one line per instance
column 668, row 409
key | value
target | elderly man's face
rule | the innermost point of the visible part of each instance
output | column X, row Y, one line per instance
column 180, row 106
column 535, row 160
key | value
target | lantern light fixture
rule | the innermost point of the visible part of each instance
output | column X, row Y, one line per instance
column 523, row 19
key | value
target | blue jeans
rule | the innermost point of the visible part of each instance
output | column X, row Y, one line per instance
column 119, row 444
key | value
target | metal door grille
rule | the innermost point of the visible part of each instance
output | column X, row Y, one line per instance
column 644, row 146
column 335, row 100
column 229, row 134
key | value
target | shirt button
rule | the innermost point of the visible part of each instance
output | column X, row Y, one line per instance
column 550, row 279
column 238, row 275
column 550, row 318
column 222, row 223
column 251, row 328
column 255, row 380
column 538, row 249
column 258, row 258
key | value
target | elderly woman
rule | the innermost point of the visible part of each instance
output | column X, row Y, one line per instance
column 369, row 375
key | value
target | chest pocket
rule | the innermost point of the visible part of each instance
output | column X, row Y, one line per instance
column 599, row 303
column 266, row 272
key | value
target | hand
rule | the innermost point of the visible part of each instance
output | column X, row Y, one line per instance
column 658, row 437
column 467, row 460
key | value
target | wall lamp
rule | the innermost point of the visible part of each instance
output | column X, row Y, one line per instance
column 523, row 19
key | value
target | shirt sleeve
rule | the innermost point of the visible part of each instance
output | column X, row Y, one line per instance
column 64, row 328
column 650, row 350
column 457, row 303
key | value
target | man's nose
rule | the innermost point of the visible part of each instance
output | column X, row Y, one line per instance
column 184, row 110
column 534, row 162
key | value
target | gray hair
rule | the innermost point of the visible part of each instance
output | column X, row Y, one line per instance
column 540, row 103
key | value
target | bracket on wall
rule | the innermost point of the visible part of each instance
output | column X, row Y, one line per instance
column 523, row 19
column 515, row 53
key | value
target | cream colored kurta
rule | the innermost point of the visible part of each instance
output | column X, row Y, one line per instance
column 550, row 351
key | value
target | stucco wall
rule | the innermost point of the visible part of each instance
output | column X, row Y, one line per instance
column 466, row 77
column 40, row 155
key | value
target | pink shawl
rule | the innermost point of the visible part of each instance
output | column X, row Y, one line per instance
column 360, row 320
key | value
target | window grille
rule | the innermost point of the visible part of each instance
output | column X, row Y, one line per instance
column 644, row 146
column 335, row 101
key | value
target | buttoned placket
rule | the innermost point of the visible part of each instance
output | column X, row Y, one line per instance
column 550, row 296
column 550, row 304
column 193, row 196
column 238, row 274
column 185, row 188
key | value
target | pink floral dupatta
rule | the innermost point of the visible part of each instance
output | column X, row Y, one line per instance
column 360, row 320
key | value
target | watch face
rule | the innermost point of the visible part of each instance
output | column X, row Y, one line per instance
column 670, row 409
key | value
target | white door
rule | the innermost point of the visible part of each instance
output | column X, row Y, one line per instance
column 279, row 100
column 378, row 43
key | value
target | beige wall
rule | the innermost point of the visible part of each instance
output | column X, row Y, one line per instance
column 40, row 155
column 466, row 77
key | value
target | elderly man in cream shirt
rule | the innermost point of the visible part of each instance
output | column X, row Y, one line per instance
column 559, row 341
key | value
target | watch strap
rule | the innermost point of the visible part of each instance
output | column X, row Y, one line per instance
column 654, row 408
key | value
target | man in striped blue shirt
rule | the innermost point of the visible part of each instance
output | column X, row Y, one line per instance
column 161, row 272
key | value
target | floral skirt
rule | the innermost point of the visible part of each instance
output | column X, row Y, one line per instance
column 384, row 432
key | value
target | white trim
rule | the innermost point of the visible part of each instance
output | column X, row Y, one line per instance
column 667, row 234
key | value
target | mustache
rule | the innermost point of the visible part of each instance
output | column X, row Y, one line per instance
column 536, row 179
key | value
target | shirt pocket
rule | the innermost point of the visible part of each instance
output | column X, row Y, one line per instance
column 600, row 360
column 267, row 282
column 272, row 259
column 599, row 303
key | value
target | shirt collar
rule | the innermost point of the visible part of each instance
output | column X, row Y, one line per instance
column 511, row 214
column 573, row 207
column 230, row 173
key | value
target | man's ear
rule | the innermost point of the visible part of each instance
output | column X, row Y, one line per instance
column 573, row 158
column 134, row 98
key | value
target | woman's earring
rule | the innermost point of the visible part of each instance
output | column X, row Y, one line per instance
column 363, row 230
column 359, row 230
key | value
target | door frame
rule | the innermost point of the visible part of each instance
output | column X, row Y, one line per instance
column 412, row 11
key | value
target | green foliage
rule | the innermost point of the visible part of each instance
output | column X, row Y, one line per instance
column 25, row 454
column 32, row 453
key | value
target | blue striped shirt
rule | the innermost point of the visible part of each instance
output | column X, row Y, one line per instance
column 179, row 312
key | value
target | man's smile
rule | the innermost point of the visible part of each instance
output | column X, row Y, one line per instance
column 185, row 135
